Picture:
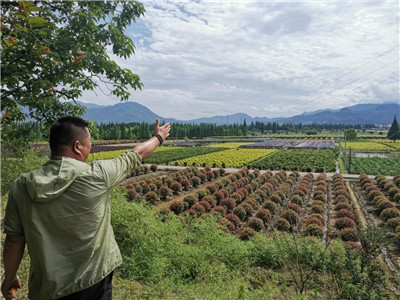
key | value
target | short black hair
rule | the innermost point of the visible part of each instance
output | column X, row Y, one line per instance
column 65, row 131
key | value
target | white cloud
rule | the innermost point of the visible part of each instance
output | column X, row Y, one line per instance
column 199, row 59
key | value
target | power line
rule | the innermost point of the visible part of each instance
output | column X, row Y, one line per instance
column 355, row 80
column 340, row 77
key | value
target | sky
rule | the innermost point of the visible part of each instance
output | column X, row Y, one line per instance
column 266, row 59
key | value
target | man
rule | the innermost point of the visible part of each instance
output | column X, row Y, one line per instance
column 62, row 212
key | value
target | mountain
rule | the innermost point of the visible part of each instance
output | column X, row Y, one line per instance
column 125, row 112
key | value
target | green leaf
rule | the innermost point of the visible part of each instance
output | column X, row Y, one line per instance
column 34, row 8
column 37, row 20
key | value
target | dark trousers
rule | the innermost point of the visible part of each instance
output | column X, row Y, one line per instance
column 99, row 291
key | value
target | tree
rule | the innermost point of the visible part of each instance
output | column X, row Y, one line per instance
column 351, row 134
column 52, row 51
column 394, row 131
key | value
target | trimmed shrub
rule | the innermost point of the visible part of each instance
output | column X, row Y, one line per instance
column 256, row 198
column 397, row 239
column 372, row 194
column 393, row 191
column 275, row 198
column 220, row 209
column 145, row 188
column 198, row 208
column 153, row 187
column 295, row 207
column 256, row 224
column 353, row 245
column 341, row 199
column 251, row 202
column 397, row 229
column 319, row 209
column 151, row 197
column 389, row 213
column 314, row 220
column 218, row 195
column 248, row 208
column 271, row 206
column 318, row 202
column 176, row 206
column 393, row 223
column 185, row 184
column 264, row 215
column 291, row 216
column 202, row 177
column 225, row 192
column 210, row 199
column 396, row 198
column 205, row 204
column 240, row 212
column 153, row 167
column 228, row 203
column 247, row 233
column 234, row 219
column 131, row 194
column 319, row 197
column 344, row 222
column 201, row 193
column 195, row 181
column 343, row 205
column 190, row 200
column 209, row 175
column 227, row 225
column 345, row 213
column 348, row 235
column 297, row 199
column 282, row 225
column 314, row 230
column 318, row 216
column 164, row 192
column 176, row 187
column 383, row 203
column 237, row 197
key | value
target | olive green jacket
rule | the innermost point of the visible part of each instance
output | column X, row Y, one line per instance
column 63, row 210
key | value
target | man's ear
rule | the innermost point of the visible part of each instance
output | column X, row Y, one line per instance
column 76, row 147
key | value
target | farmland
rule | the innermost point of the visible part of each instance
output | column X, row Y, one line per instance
column 253, row 230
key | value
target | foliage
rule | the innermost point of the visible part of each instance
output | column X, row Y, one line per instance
column 52, row 51
column 394, row 130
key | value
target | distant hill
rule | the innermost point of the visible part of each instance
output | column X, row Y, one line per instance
column 125, row 112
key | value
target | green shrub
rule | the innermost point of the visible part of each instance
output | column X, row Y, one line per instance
column 397, row 239
column 248, row 208
column 396, row 198
column 201, row 193
column 276, row 198
column 256, row 224
column 195, row 181
column 393, row 191
column 153, row 168
column 314, row 230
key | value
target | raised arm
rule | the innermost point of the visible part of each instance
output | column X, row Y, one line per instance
column 147, row 147
column 13, row 252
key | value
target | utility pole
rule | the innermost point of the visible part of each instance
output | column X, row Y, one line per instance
column 345, row 151
column 350, row 161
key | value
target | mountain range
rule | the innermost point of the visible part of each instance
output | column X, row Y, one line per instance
column 126, row 112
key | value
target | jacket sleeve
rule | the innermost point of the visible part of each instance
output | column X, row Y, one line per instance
column 117, row 169
column 12, row 220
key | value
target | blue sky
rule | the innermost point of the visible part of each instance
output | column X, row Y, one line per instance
column 272, row 59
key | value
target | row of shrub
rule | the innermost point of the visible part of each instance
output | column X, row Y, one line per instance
column 376, row 194
column 160, row 188
column 315, row 222
column 345, row 219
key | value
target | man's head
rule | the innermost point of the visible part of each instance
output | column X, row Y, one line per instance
column 69, row 136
